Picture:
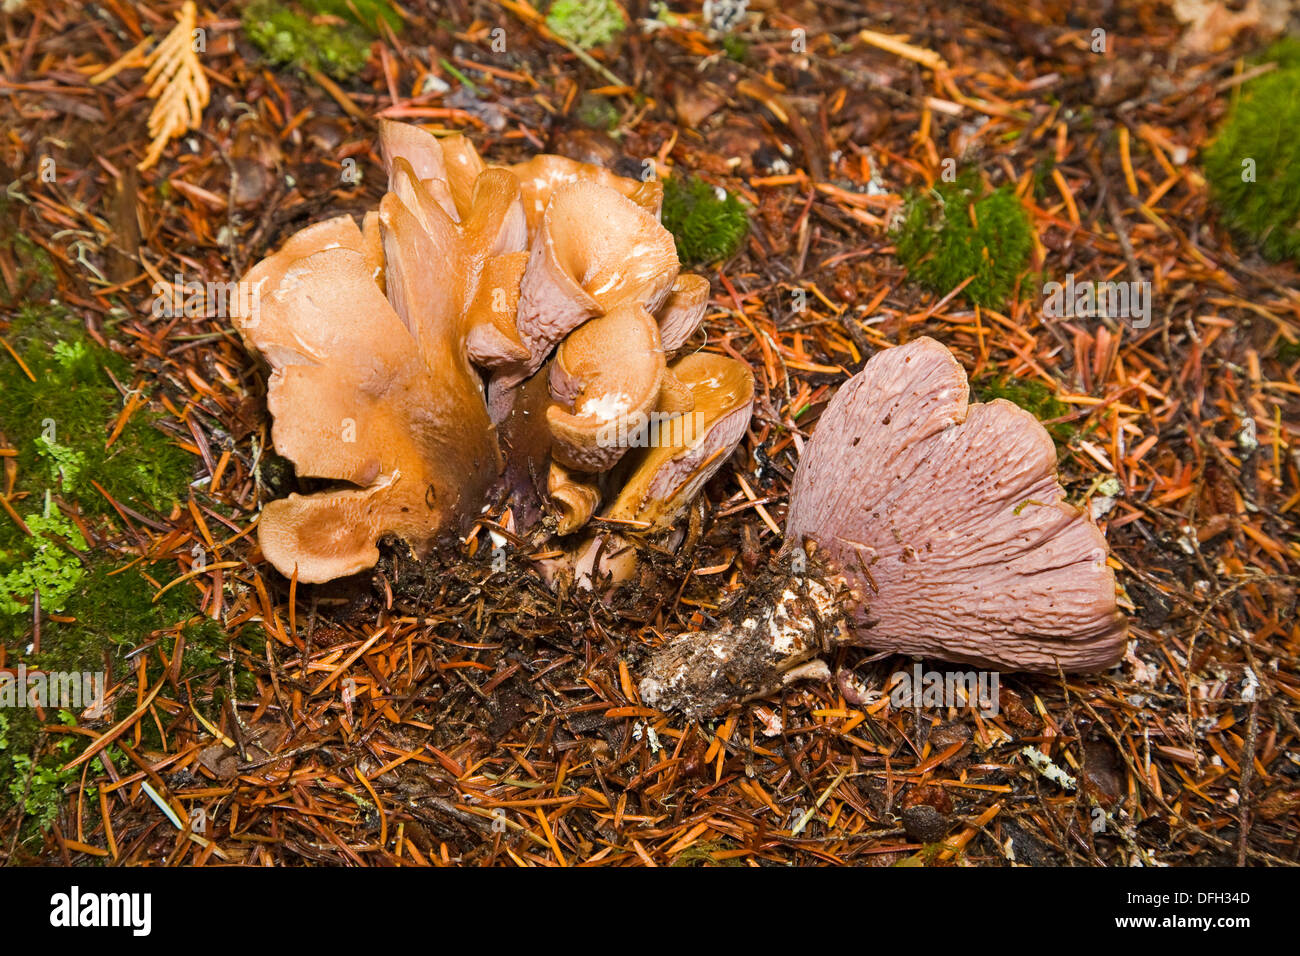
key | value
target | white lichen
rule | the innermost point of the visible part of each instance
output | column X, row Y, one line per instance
column 1044, row 765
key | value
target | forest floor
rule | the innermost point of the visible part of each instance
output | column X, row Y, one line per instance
column 451, row 713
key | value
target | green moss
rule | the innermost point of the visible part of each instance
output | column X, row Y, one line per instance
column 1031, row 395
column 707, row 227
column 596, row 112
column 1288, row 352
column 111, row 608
column 295, row 35
column 585, row 23
column 42, row 563
column 37, row 277
column 1253, row 165
column 108, row 612
column 37, row 782
column 1285, row 53
column 369, row 14
column 60, row 422
column 941, row 244
column 735, row 48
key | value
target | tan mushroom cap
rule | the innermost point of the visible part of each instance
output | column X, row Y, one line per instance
column 422, row 155
column 375, row 416
column 463, row 165
column 541, row 176
column 605, row 380
column 493, row 340
column 663, row 478
column 264, row 277
column 576, row 499
column 950, row 523
column 595, row 250
column 683, row 310
column 441, row 306
column 467, row 267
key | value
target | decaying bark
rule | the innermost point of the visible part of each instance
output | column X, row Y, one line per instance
column 773, row 635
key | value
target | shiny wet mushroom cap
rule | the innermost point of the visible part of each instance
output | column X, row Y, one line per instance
column 380, row 420
column 681, row 452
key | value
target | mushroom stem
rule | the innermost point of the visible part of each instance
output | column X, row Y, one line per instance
column 784, row 623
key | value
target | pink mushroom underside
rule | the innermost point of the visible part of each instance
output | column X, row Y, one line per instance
column 950, row 524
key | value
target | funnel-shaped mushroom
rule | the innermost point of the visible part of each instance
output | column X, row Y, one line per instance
column 543, row 175
column 594, row 250
column 673, row 457
column 354, row 402
column 551, row 279
column 605, row 378
column 945, row 529
column 576, row 499
column 680, row 453
column 683, row 310
column 438, row 305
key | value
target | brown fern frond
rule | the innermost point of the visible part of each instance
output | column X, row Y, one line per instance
column 175, row 79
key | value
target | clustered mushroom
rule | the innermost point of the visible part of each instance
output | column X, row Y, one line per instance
column 936, row 528
column 511, row 334
column 489, row 333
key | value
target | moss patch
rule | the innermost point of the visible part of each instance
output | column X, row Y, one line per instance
column 60, row 422
column 109, row 612
column 1288, row 352
column 332, row 36
column 707, row 227
column 954, row 231
column 45, row 562
column 735, row 48
column 373, row 15
column 1253, row 165
column 1031, row 395
column 37, row 781
column 596, row 112
column 585, row 23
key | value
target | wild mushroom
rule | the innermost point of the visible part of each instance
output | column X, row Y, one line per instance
column 672, row 458
column 380, row 392
column 683, row 310
column 607, row 373
column 542, row 175
column 677, row 454
column 938, row 529
column 550, row 283
column 353, row 402
column 594, row 250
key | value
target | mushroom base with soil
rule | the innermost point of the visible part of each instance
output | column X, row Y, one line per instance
column 774, row 637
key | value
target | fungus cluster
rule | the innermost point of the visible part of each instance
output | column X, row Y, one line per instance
column 510, row 334
column 489, row 332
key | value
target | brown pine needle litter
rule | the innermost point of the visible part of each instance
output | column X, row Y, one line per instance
column 447, row 713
